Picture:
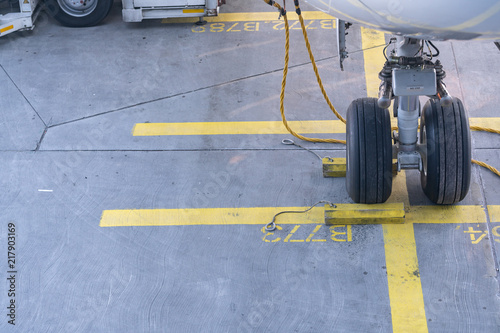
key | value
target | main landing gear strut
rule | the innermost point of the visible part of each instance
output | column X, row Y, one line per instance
column 442, row 149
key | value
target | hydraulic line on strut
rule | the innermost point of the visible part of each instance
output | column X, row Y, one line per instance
column 323, row 91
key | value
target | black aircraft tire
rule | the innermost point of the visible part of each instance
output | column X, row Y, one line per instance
column 71, row 14
column 369, row 152
column 445, row 131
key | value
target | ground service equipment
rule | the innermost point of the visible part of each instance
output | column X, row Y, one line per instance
column 21, row 14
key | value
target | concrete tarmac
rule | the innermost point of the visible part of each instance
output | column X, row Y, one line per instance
column 116, row 232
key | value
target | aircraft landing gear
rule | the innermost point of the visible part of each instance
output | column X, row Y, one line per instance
column 442, row 153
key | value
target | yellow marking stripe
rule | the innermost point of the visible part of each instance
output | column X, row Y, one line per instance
column 374, row 62
column 6, row 29
column 253, row 17
column 405, row 288
column 446, row 214
column 403, row 278
column 494, row 212
column 243, row 127
column 492, row 122
column 263, row 215
column 261, row 127
column 207, row 216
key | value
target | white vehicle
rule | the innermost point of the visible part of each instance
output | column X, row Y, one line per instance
column 21, row 14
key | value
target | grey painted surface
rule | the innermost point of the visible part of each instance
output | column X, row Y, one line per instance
column 455, row 291
column 20, row 126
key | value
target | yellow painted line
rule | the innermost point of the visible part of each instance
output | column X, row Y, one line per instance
column 403, row 277
column 491, row 122
column 494, row 213
column 263, row 215
column 243, row 127
column 446, row 214
column 193, row 11
column 262, row 127
column 253, row 17
column 399, row 189
column 10, row 27
column 374, row 61
column 208, row 216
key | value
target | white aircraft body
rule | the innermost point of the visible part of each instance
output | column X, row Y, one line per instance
column 422, row 19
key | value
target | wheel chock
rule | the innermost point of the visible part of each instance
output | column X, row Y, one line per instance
column 334, row 167
column 387, row 213
column 394, row 167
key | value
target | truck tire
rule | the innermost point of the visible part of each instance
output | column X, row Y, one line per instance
column 78, row 13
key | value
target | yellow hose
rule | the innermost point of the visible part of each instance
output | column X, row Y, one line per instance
column 484, row 129
column 487, row 166
column 283, row 85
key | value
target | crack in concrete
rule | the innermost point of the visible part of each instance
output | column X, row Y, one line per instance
column 24, row 96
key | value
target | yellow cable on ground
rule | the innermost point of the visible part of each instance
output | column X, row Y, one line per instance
column 283, row 85
column 323, row 91
column 487, row 166
column 285, row 73
column 484, row 129
column 484, row 165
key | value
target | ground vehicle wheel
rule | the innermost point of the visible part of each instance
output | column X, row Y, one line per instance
column 369, row 152
column 78, row 13
column 445, row 177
